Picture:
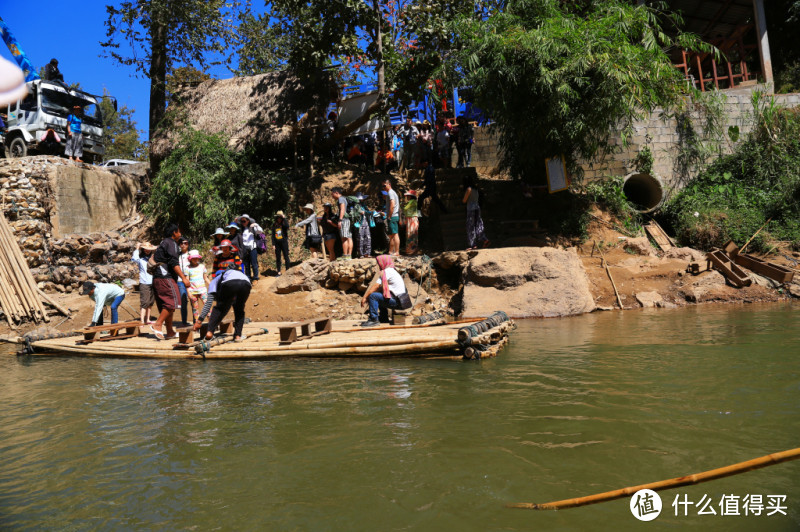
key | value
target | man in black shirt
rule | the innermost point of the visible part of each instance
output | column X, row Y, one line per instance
column 165, row 284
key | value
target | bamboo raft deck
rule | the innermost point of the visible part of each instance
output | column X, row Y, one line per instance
column 346, row 340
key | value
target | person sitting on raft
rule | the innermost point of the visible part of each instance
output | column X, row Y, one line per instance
column 229, row 287
column 103, row 294
column 391, row 286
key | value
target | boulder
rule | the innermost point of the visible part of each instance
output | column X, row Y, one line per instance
column 649, row 299
column 687, row 254
column 640, row 246
column 526, row 282
column 694, row 291
column 306, row 276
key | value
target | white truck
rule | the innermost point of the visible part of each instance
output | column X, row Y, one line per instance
column 47, row 106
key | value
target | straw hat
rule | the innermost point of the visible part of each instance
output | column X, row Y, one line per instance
column 309, row 207
column 194, row 254
column 280, row 214
column 147, row 246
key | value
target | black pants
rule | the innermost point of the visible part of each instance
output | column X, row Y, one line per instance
column 281, row 247
column 231, row 293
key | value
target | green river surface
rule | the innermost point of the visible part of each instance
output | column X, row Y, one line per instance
column 572, row 407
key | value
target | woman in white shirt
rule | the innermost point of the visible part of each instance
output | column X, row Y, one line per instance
column 383, row 294
column 250, row 254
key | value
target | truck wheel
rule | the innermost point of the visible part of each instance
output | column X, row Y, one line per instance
column 16, row 148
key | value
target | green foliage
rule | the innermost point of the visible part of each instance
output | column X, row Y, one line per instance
column 644, row 161
column 558, row 77
column 700, row 130
column 262, row 45
column 737, row 193
column 203, row 184
column 185, row 75
column 120, row 136
column 609, row 194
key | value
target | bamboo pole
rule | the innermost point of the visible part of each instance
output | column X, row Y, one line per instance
column 741, row 250
column 613, row 284
column 697, row 478
column 14, row 289
column 47, row 299
column 20, row 270
column 10, row 304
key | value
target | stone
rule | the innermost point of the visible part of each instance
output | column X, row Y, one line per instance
column 695, row 290
column 526, row 282
column 306, row 276
column 685, row 253
column 97, row 252
column 649, row 299
column 640, row 246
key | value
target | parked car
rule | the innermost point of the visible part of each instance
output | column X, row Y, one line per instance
column 119, row 162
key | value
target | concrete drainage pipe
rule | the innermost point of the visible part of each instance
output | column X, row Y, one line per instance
column 644, row 191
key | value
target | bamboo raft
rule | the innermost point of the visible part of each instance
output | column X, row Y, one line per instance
column 468, row 339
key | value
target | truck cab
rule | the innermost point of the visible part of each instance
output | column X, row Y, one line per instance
column 47, row 106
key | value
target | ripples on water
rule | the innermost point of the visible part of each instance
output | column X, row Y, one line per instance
column 573, row 407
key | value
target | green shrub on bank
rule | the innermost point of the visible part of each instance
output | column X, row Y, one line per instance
column 735, row 195
column 608, row 193
column 203, row 184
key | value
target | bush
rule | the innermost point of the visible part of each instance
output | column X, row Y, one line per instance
column 203, row 184
column 735, row 195
column 609, row 194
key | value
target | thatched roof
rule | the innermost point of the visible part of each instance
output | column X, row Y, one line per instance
column 261, row 109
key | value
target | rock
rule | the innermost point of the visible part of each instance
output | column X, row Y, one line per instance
column 450, row 258
column 306, row 276
column 344, row 286
column 649, row 299
column 687, row 254
column 694, row 290
column 526, row 282
column 97, row 253
column 794, row 289
column 640, row 245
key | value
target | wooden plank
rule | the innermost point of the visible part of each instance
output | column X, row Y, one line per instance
column 728, row 268
column 776, row 272
column 659, row 236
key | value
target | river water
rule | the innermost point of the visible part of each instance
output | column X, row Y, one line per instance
column 572, row 407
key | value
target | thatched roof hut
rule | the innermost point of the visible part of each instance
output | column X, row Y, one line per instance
column 261, row 109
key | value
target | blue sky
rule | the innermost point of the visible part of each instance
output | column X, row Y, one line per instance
column 71, row 32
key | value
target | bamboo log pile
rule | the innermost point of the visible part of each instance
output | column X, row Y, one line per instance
column 19, row 296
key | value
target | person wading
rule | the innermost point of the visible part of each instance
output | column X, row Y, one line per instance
column 229, row 288
column 165, row 275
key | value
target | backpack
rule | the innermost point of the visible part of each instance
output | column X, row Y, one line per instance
column 261, row 243
column 354, row 210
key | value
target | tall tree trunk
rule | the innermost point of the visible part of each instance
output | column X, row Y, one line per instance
column 158, row 69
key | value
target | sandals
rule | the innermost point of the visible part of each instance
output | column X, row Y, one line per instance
column 158, row 334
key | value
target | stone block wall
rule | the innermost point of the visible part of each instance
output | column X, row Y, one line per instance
column 661, row 134
column 46, row 200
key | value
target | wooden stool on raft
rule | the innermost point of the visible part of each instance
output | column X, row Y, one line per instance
column 401, row 317
column 186, row 334
column 288, row 332
column 91, row 334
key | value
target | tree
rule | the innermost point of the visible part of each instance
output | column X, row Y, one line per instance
column 163, row 33
column 203, row 183
column 558, row 77
column 185, row 75
column 120, row 136
column 261, row 45
column 397, row 43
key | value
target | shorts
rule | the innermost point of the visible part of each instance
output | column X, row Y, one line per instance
column 329, row 236
column 167, row 294
column 146, row 296
column 202, row 292
column 344, row 231
column 74, row 146
column 394, row 225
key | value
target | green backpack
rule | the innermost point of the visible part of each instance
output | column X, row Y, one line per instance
column 354, row 209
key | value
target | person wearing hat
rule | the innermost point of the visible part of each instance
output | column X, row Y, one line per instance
column 146, row 297
column 250, row 231
column 313, row 241
column 280, row 240
column 411, row 215
column 330, row 229
column 198, row 282
column 103, row 294
column 74, row 146
column 218, row 236
column 235, row 236
column 362, row 239
column 226, row 255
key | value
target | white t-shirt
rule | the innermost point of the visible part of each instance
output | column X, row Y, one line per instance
column 392, row 195
column 396, row 284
